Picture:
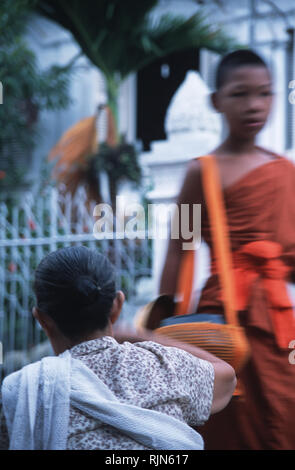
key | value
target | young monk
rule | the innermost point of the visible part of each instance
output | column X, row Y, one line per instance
column 259, row 194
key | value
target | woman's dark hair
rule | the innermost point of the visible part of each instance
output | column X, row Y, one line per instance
column 233, row 60
column 76, row 287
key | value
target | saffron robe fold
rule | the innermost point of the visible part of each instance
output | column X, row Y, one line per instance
column 260, row 209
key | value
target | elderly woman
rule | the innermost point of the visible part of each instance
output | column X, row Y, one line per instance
column 106, row 391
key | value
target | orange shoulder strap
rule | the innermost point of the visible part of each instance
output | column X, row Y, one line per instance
column 221, row 245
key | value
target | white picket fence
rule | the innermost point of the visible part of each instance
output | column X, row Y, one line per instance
column 32, row 228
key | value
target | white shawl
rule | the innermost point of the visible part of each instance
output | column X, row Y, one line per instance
column 36, row 404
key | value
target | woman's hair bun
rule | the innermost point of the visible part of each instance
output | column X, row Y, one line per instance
column 76, row 287
column 87, row 289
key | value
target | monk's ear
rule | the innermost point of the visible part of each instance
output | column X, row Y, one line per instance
column 215, row 101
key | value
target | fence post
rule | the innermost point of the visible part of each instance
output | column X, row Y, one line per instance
column 53, row 218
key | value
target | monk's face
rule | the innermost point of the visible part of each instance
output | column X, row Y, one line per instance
column 245, row 99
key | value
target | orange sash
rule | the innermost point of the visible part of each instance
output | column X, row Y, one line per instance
column 221, row 242
column 261, row 259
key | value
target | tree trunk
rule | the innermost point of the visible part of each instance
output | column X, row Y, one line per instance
column 113, row 85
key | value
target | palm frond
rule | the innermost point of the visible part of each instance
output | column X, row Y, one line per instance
column 95, row 23
column 119, row 36
column 177, row 32
column 170, row 34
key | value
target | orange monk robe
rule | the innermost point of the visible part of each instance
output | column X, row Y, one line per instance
column 260, row 207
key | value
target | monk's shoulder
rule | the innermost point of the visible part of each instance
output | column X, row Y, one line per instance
column 191, row 190
column 288, row 165
column 277, row 156
column 288, row 162
column 194, row 167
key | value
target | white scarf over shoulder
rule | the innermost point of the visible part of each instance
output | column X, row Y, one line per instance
column 36, row 403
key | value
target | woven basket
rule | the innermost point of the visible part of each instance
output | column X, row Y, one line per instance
column 227, row 342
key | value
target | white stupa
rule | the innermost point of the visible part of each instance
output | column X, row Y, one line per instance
column 190, row 115
column 193, row 128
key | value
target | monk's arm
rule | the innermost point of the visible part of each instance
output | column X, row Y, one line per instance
column 191, row 193
column 224, row 375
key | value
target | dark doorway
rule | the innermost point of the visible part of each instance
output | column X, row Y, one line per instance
column 156, row 85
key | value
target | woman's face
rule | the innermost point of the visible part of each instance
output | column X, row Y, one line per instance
column 245, row 99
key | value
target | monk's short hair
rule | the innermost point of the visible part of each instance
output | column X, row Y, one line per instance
column 233, row 60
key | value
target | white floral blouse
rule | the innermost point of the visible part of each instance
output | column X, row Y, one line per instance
column 144, row 374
